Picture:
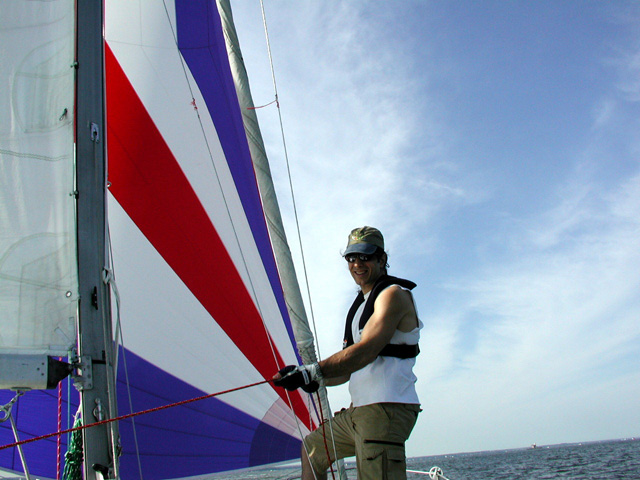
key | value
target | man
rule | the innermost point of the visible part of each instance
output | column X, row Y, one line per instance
column 380, row 346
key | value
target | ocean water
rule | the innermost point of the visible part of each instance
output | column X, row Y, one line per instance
column 615, row 460
column 610, row 460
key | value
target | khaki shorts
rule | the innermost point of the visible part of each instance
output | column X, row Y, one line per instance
column 375, row 434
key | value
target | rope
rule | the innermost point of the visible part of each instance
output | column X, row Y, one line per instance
column 324, row 437
column 130, row 415
column 263, row 106
column 59, row 440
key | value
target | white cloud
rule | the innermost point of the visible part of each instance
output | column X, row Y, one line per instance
column 529, row 338
column 558, row 322
column 629, row 74
column 603, row 112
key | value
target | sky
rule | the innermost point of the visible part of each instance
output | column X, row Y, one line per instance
column 495, row 144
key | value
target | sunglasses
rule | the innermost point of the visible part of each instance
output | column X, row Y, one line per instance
column 351, row 258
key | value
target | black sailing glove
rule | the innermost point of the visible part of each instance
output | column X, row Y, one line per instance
column 303, row 376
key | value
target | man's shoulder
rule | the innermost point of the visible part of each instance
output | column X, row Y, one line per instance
column 395, row 294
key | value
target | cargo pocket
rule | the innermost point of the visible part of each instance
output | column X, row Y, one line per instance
column 383, row 460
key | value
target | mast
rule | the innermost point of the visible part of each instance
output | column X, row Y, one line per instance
column 95, row 348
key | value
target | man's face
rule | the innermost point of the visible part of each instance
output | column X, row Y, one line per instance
column 365, row 269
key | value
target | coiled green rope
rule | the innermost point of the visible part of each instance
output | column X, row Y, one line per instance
column 74, row 456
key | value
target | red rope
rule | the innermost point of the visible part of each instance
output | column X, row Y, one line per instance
column 129, row 415
column 262, row 106
column 59, row 427
column 324, row 436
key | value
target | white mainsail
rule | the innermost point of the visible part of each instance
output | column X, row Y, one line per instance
column 38, row 266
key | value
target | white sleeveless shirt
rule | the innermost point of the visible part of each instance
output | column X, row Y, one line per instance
column 386, row 379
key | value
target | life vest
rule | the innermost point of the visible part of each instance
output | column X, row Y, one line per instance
column 390, row 350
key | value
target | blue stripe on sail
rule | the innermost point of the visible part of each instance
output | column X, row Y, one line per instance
column 201, row 43
column 194, row 439
column 267, row 435
column 199, row 438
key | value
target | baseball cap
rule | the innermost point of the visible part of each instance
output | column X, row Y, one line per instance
column 364, row 240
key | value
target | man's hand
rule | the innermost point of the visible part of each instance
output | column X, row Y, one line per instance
column 303, row 376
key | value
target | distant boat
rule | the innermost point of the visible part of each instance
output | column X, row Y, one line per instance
column 533, row 445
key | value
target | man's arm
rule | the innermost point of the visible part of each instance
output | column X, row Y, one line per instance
column 334, row 381
column 393, row 307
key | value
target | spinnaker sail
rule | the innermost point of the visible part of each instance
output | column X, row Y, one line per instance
column 200, row 295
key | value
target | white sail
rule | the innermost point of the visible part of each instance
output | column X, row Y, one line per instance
column 38, row 267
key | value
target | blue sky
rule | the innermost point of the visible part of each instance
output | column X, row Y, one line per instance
column 496, row 146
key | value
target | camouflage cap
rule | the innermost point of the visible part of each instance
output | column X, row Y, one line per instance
column 364, row 240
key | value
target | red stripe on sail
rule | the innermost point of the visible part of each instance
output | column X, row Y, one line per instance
column 149, row 184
